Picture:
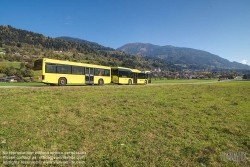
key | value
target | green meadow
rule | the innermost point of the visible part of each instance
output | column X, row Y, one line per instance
column 147, row 125
column 180, row 81
column 21, row 84
column 164, row 81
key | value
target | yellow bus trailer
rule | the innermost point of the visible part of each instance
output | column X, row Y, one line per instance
column 123, row 75
column 59, row 72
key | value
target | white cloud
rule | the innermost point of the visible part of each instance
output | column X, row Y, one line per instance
column 244, row 61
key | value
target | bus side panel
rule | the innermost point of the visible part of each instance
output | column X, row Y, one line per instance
column 124, row 80
column 73, row 79
column 106, row 79
column 140, row 81
column 50, row 78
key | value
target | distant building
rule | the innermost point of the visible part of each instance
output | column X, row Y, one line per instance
column 238, row 78
column 193, row 77
column 10, row 79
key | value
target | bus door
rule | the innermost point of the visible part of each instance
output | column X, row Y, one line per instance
column 135, row 76
column 89, row 76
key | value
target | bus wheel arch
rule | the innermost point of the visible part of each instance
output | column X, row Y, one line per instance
column 146, row 82
column 100, row 81
column 62, row 81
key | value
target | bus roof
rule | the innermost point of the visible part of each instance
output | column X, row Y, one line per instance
column 135, row 70
column 121, row 68
column 74, row 63
column 128, row 69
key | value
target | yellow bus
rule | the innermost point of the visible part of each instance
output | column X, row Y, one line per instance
column 123, row 75
column 58, row 72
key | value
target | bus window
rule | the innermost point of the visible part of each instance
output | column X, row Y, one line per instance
column 107, row 72
column 124, row 74
column 99, row 72
column 78, row 70
column 50, row 68
column 63, row 69
column 141, row 76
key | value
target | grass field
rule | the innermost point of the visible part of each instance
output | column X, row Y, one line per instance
column 153, row 82
column 22, row 84
column 157, row 125
column 184, row 81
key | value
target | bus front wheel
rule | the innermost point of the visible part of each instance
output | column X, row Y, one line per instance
column 146, row 82
column 62, row 82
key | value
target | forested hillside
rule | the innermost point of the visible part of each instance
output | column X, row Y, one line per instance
column 25, row 47
column 93, row 45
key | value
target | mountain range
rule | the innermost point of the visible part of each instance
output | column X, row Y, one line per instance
column 185, row 57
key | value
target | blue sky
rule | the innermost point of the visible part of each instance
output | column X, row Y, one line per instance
column 221, row 27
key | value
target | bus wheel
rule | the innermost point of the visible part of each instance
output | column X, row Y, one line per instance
column 130, row 82
column 145, row 82
column 100, row 82
column 62, row 82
